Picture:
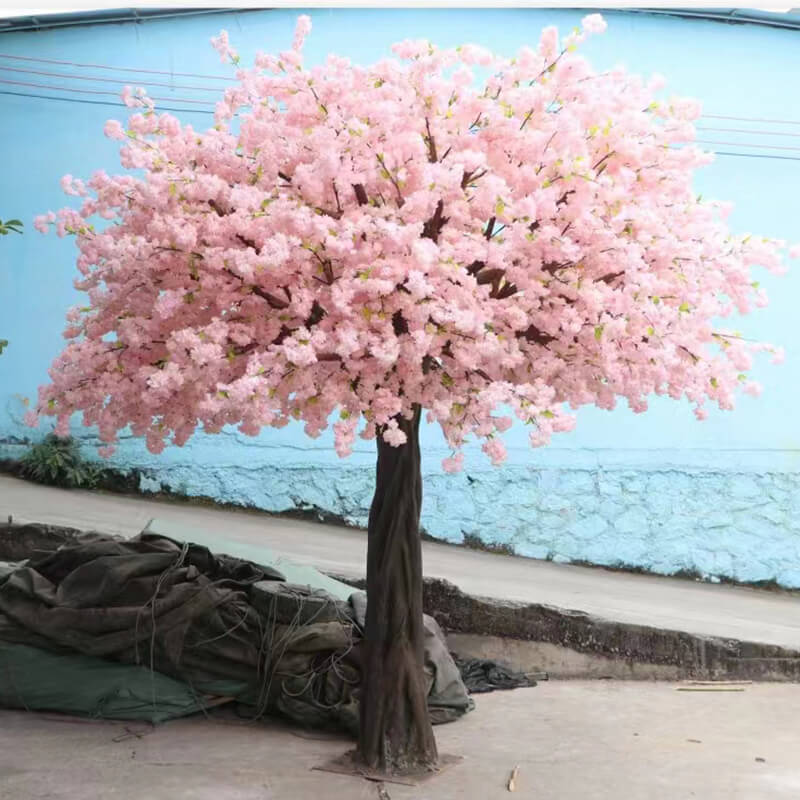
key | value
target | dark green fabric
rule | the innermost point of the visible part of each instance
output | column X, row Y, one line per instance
column 174, row 608
column 485, row 675
column 71, row 683
column 218, row 625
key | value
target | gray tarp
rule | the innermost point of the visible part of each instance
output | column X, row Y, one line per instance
column 216, row 624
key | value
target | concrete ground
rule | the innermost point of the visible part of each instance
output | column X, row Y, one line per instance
column 675, row 604
column 572, row 741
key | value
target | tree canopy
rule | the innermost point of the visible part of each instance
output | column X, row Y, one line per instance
column 368, row 239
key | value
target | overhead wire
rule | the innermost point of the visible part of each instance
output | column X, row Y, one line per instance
column 52, row 88
column 67, row 76
column 118, row 69
column 748, row 144
column 98, row 102
column 747, row 130
column 754, row 119
column 757, row 155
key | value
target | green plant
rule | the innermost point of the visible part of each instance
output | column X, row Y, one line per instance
column 10, row 225
column 57, row 461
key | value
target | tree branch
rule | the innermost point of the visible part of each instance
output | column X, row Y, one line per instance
column 433, row 227
column 273, row 300
column 392, row 178
column 535, row 335
column 432, row 157
column 361, row 194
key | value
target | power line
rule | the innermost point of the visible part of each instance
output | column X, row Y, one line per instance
column 67, row 76
column 754, row 119
column 756, row 155
column 118, row 69
column 746, row 130
column 97, row 91
column 98, row 102
column 748, row 144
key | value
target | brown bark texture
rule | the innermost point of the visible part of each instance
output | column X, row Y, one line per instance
column 395, row 733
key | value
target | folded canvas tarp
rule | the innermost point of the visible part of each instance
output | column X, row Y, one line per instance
column 39, row 680
column 214, row 625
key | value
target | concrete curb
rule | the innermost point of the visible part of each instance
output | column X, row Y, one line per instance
column 573, row 644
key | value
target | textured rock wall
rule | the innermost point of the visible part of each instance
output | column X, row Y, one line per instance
column 664, row 516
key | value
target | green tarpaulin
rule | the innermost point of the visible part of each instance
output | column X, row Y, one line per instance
column 150, row 627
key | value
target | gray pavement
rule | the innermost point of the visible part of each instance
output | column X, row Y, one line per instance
column 700, row 608
column 572, row 741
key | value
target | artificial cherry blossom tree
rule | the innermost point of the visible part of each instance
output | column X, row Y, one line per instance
column 378, row 242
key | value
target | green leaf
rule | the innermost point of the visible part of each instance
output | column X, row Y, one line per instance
column 598, row 332
column 714, row 382
column 3, row 345
column 684, row 307
column 548, row 414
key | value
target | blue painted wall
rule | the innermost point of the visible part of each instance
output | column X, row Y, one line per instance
column 659, row 491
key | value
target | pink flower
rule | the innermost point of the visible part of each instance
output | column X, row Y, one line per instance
column 222, row 46
column 548, row 42
column 31, row 419
column 496, row 450
column 394, row 436
column 41, row 223
column 128, row 97
column 594, row 23
column 114, row 130
column 454, row 463
column 67, row 185
column 753, row 388
column 302, row 29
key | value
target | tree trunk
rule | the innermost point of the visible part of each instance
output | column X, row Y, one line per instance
column 395, row 733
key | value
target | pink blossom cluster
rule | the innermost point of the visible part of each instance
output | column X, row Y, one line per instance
column 357, row 240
